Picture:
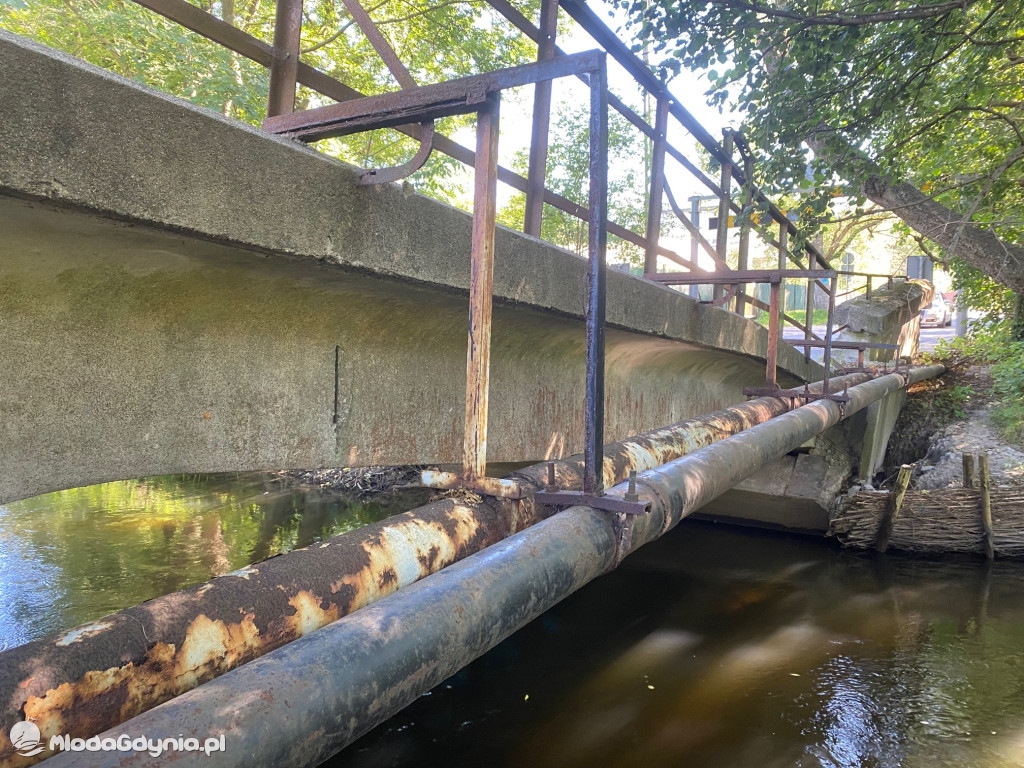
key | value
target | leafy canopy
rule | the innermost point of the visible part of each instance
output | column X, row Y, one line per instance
column 568, row 174
column 929, row 93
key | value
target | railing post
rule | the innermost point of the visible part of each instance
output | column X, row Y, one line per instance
column 783, row 257
column 809, row 309
column 657, row 187
column 868, row 291
column 809, row 315
column 284, row 68
column 722, row 241
column 593, row 437
column 771, row 359
column 481, row 284
column 694, row 250
column 827, row 361
column 743, row 261
column 537, row 174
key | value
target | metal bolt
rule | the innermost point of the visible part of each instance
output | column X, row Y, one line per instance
column 631, row 491
column 551, row 474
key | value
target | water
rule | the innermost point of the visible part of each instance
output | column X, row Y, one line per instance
column 731, row 648
column 70, row 557
column 714, row 647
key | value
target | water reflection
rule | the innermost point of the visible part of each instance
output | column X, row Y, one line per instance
column 731, row 648
column 73, row 556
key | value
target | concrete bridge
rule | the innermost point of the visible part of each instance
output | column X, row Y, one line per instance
column 183, row 293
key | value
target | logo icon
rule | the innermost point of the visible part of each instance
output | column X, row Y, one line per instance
column 26, row 738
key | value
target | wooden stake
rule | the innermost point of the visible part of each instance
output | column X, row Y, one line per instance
column 968, row 470
column 892, row 509
column 986, row 505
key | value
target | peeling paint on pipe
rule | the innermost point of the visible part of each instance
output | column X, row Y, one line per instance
column 90, row 678
column 367, row 666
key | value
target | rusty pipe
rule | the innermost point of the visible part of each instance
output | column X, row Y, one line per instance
column 679, row 487
column 369, row 665
column 89, row 678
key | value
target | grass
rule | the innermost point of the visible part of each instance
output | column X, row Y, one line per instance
column 820, row 316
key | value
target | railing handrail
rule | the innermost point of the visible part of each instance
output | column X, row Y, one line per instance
column 733, row 172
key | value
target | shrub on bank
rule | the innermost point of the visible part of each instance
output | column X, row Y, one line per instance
column 993, row 343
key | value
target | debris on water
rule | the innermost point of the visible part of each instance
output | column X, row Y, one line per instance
column 359, row 481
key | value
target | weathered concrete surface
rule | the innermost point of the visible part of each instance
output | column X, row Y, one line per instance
column 799, row 491
column 880, row 418
column 177, row 292
column 786, row 495
column 891, row 316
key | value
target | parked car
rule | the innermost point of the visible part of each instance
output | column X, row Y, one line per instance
column 937, row 313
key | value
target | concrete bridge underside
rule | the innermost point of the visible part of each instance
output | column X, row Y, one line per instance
column 182, row 293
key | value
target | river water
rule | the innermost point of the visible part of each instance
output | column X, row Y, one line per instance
column 714, row 646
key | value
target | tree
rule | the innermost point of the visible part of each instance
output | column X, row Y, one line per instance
column 918, row 107
column 568, row 174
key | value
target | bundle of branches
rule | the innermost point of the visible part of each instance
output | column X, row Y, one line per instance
column 936, row 521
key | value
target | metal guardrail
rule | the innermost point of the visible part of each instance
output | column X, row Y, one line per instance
column 412, row 111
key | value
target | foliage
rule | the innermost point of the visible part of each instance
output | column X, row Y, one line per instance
column 979, row 291
column 930, row 93
column 436, row 40
column 992, row 343
column 568, row 174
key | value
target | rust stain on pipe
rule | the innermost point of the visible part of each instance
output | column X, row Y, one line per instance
column 83, row 681
column 88, row 679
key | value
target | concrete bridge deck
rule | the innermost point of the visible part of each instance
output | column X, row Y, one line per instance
column 183, row 293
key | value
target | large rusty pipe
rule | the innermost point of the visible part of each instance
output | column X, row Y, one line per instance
column 369, row 665
column 89, row 678
column 679, row 487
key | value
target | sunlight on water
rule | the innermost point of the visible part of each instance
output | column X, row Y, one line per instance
column 73, row 556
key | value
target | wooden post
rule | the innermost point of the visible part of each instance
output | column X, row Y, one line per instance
column 892, row 509
column 986, row 506
column 968, row 459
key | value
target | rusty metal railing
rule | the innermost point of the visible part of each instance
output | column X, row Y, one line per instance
column 412, row 111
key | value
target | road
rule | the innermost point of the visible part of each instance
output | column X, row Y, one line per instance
column 931, row 335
